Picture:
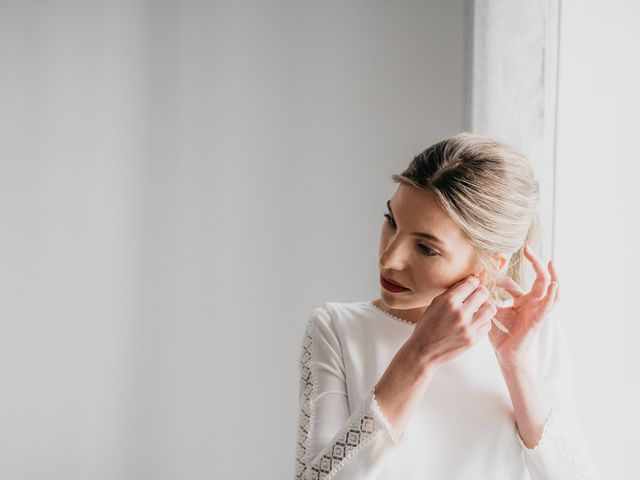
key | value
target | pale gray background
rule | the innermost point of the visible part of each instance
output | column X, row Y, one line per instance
column 181, row 183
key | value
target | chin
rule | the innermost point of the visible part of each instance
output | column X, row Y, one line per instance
column 395, row 298
column 406, row 301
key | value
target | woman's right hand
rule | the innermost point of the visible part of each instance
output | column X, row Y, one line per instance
column 455, row 320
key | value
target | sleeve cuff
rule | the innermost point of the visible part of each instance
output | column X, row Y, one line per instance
column 549, row 424
column 561, row 449
column 398, row 440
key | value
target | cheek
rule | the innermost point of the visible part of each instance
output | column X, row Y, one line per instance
column 434, row 274
column 439, row 275
column 454, row 274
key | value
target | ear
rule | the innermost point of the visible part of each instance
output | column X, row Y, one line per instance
column 502, row 261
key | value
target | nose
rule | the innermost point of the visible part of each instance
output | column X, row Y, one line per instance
column 394, row 256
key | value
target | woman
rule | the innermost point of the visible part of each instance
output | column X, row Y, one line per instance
column 455, row 372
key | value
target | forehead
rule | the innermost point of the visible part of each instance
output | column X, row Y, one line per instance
column 419, row 211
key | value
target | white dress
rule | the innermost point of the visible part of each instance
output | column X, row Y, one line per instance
column 463, row 427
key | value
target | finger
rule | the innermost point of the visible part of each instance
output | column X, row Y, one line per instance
column 542, row 277
column 465, row 287
column 483, row 330
column 549, row 298
column 484, row 324
column 474, row 301
column 484, row 314
column 510, row 285
column 554, row 277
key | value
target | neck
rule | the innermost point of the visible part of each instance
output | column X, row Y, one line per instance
column 412, row 315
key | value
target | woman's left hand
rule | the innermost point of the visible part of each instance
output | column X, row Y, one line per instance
column 525, row 317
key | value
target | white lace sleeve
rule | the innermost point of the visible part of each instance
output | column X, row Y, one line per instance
column 334, row 443
column 562, row 452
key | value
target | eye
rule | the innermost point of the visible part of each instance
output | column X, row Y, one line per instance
column 427, row 251
column 390, row 220
column 423, row 248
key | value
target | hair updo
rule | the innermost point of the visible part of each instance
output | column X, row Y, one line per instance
column 488, row 189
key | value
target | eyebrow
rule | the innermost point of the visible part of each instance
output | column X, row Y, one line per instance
column 428, row 236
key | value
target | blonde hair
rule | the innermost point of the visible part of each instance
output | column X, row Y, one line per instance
column 488, row 189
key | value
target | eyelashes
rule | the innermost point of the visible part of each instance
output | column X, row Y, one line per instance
column 390, row 220
column 423, row 248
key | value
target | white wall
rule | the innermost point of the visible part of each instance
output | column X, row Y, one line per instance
column 72, row 170
column 515, row 57
column 597, row 224
column 181, row 183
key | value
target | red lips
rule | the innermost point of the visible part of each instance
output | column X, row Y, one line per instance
column 392, row 281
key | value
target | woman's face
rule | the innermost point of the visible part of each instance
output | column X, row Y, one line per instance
column 426, row 265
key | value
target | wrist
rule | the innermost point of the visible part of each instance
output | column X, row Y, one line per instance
column 516, row 370
column 419, row 358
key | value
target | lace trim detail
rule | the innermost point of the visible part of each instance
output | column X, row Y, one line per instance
column 384, row 420
column 391, row 315
column 306, row 414
column 346, row 443
column 560, row 435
